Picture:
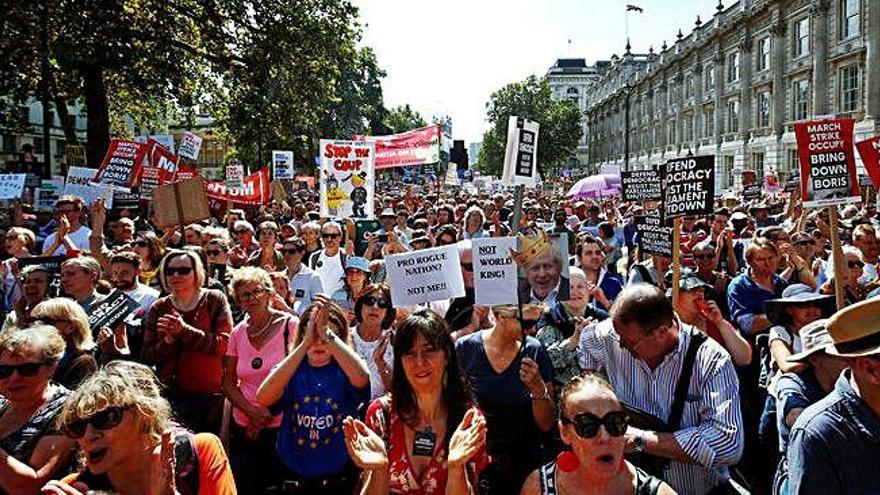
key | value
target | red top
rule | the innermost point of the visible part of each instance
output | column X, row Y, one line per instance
column 194, row 362
column 402, row 477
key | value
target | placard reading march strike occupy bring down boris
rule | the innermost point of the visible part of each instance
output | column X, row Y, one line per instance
column 688, row 186
column 423, row 276
column 828, row 165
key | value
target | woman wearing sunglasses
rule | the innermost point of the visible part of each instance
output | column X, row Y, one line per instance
column 372, row 334
column 512, row 377
column 31, row 448
column 357, row 273
column 130, row 445
column 256, row 345
column 318, row 384
column 151, row 250
column 185, row 336
column 593, row 425
column 853, row 269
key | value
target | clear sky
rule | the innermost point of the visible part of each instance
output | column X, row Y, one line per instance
column 448, row 56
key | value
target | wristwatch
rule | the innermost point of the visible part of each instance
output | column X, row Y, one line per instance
column 638, row 443
column 546, row 395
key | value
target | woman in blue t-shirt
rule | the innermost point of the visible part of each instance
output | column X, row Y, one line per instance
column 321, row 382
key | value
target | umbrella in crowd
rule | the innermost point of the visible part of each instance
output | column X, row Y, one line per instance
column 595, row 186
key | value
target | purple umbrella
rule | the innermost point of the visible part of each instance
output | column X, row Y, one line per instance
column 595, row 186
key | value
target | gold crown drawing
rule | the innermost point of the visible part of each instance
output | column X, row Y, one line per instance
column 531, row 248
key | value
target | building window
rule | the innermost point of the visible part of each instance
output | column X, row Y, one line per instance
column 849, row 88
column 793, row 163
column 710, row 78
column 709, row 121
column 764, row 109
column 728, row 170
column 849, row 18
column 733, row 67
column 688, row 86
column 670, row 134
column 801, row 99
column 764, row 54
column 688, row 127
column 38, row 145
column 758, row 164
column 60, row 148
column 802, row 37
column 733, row 116
column 8, row 143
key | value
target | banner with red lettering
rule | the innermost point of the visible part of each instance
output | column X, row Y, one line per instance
column 347, row 178
column 416, row 147
column 122, row 164
column 869, row 150
column 256, row 190
column 828, row 162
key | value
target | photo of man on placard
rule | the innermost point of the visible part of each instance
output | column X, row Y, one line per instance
column 543, row 268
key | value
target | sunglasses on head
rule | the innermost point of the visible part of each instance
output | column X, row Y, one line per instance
column 587, row 424
column 180, row 270
column 26, row 369
column 103, row 420
column 376, row 302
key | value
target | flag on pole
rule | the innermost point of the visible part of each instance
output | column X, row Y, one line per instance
column 636, row 8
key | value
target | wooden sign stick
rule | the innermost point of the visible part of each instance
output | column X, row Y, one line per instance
column 837, row 255
column 676, row 259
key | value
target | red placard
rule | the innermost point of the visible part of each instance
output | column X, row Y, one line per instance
column 416, row 147
column 828, row 165
column 122, row 164
column 869, row 150
column 256, row 190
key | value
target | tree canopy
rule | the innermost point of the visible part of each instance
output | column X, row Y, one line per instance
column 403, row 118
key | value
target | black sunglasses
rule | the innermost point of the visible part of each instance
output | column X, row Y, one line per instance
column 376, row 302
column 180, row 270
column 213, row 252
column 805, row 243
column 103, row 420
column 291, row 251
column 856, row 264
column 26, row 369
column 587, row 425
column 703, row 256
column 328, row 235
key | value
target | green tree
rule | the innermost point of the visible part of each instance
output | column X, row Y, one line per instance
column 403, row 118
column 559, row 119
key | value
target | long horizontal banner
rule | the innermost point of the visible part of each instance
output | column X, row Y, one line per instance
column 416, row 147
column 256, row 190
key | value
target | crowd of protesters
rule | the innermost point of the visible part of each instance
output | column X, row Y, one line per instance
column 265, row 354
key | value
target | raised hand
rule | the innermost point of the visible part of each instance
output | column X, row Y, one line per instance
column 467, row 439
column 365, row 447
column 162, row 481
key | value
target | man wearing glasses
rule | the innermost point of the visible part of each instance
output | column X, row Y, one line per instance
column 329, row 262
column 70, row 207
column 304, row 282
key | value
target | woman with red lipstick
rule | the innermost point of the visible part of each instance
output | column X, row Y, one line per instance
column 593, row 424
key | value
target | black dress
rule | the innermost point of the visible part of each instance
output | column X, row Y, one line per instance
column 645, row 483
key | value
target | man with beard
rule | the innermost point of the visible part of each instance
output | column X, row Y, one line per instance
column 125, row 267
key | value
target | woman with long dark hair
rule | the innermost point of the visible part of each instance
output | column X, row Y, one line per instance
column 427, row 436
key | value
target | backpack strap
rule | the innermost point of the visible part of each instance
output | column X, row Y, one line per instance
column 684, row 380
column 187, row 463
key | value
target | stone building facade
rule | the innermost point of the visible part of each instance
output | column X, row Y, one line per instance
column 572, row 78
column 737, row 83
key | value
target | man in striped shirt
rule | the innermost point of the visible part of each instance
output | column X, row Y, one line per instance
column 641, row 350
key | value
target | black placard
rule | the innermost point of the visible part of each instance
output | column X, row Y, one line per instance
column 51, row 263
column 655, row 235
column 751, row 191
column 688, row 186
column 525, row 153
column 112, row 310
column 641, row 185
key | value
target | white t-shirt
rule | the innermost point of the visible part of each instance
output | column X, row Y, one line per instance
column 365, row 350
column 781, row 333
column 144, row 295
column 79, row 237
column 331, row 271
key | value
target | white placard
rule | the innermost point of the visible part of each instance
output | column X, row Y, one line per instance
column 282, row 165
column 79, row 183
column 12, row 185
column 452, row 174
column 47, row 194
column 495, row 273
column 423, row 276
column 234, row 175
column 190, row 146
column 347, row 178
column 521, row 154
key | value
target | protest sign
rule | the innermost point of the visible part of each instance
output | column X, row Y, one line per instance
column 79, row 183
column 181, row 203
column 688, row 186
column 640, row 185
column 416, row 147
column 347, row 178
column 423, row 276
column 869, row 150
column 12, row 185
column 51, row 263
column 771, row 182
column 282, row 165
column 126, row 200
column 122, row 164
column 112, row 310
column 190, row 146
column 166, row 140
column 234, row 175
column 255, row 189
column 47, row 194
column 75, row 155
column 495, row 272
column 751, row 189
column 828, row 165
column 521, row 154
column 452, row 174
column 655, row 236
column 546, row 273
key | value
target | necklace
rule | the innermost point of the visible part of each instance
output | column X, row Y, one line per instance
column 262, row 331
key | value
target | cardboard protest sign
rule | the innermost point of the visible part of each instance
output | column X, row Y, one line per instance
column 869, row 150
column 48, row 192
column 112, row 310
column 640, row 185
column 546, row 275
column 828, row 165
column 12, row 185
column 423, row 276
column 282, row 165
column 655, row 236
column 495, row 272
column 689, row 186
column 347, row 178
column 234, row 175
column 181, row 203
column 255, row 189
column 190, row 146
column 79, row 183
column 521, row 154
column 416, row 147
column 122, row 164
column 75, row 155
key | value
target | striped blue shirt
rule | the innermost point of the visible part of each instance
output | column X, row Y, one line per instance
column 711, row 427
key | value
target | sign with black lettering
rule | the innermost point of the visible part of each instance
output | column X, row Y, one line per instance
column 521, row 153
column 52, row 263
column 112, row 310
column 655, row 235
column 495, row 273
column 828, row 164
column 122, row 164
column 641, row 185
column 688, row 186
column 423, row 276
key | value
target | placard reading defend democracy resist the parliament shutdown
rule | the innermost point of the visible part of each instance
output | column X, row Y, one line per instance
column 423, row 276
column 641, row 185
column 655, row 235
column 688, row 186
column 828, row 165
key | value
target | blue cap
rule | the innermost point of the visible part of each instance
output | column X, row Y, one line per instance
column 359, row 263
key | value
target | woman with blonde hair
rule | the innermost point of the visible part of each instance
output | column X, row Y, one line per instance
column 130, row 445
column 72, row 323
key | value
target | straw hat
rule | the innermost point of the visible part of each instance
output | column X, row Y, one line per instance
column 855, row 330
